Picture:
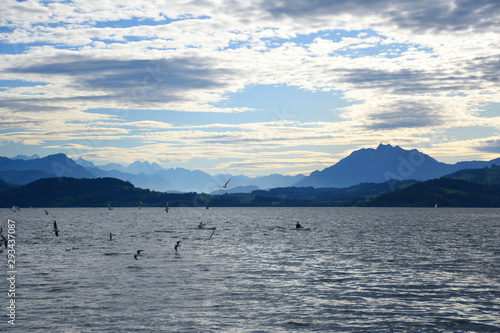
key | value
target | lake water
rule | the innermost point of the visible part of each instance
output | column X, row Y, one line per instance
column 355, row 270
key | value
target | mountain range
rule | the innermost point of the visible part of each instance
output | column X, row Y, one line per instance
column 370, row 165
column 24, row 170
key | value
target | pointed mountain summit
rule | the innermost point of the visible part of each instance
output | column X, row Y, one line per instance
column 379, row 165
column 135, row 168
column 143, row 167
column 84, row 163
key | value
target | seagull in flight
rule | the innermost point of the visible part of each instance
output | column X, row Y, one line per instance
column 225, row 185
column 55, row 229
column 177, row 245
column 138, row 254
column 15, row 209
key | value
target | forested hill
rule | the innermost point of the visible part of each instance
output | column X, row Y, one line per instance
column 464, row 188
column 484, row 176
column 445, row 192
column 6, row 186
column 71, row 192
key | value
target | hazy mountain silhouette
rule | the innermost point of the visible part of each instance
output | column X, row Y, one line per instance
column 21, row 171
column 382, row 164
column 362, row 166
column 135, row 168
column 25, row 157
column 237, row 189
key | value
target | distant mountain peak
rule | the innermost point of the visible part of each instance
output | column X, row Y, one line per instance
column 56, row 165
column 84, row 163
column 139, row 163
column 145, row 167
column 379, row 165
column 390, row 148
column 25, row 157
column 59, row 156
column 381, row 146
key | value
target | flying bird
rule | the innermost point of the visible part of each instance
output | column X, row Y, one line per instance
column 55, row 229
column 138, row 254
column 15, row 209
column 110, row 236
column 225, row 185
column 177, row 245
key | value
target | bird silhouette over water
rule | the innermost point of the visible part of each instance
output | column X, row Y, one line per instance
column 3, row 240
column 177, row 245
column 138, row 254
column 55, row 229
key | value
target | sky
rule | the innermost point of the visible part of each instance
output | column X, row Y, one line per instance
column 249, row 87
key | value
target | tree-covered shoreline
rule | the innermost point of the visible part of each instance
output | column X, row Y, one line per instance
column 481, row 189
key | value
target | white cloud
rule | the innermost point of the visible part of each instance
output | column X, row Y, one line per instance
column 408, row 69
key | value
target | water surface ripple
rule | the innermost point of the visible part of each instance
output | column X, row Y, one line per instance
column 355, row 270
